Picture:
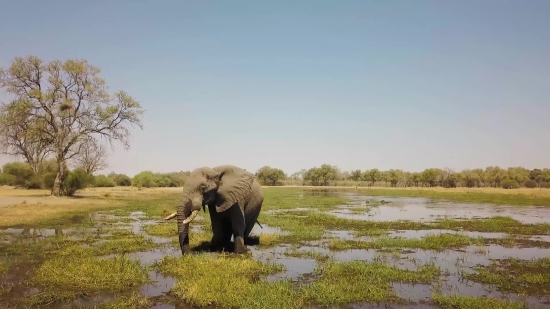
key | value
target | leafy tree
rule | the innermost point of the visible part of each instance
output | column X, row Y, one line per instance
column 356, row 175
column 373, row 175
column 120, row 179
column 64, row 103
column 103, row 181
column 270, row 176
column 21, row 137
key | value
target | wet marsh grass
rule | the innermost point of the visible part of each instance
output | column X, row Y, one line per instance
column 293, row 222
column 497, row 196
column 199, row 273
column 342, row 283
column 469, row 302
column 530, row 277
column 335, row 282
column 68, row 278
column 436, row 242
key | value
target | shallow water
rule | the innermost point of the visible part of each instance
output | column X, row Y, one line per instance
column 302, row 270
column 425, row 210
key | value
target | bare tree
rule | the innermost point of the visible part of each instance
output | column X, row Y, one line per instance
column 92, row 156
column 70, row 102
column 20, row 137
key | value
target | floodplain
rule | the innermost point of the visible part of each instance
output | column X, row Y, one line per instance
column 316, row 248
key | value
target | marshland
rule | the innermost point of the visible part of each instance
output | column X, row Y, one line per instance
column 399, row 150
column 316, row 247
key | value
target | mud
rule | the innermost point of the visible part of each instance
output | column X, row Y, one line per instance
column 302, row 270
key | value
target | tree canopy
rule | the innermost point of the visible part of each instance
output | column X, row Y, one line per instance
column 60, row 108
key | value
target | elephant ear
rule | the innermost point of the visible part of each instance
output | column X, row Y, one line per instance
column 234, row 187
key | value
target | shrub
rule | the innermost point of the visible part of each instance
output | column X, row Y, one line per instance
column 103, row 181
column 122, row 180
column 530, row 183
column 7, row 179
column 74, row 181
column 509, row 184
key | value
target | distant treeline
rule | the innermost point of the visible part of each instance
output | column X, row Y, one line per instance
column 492, row 176
column 20, row 174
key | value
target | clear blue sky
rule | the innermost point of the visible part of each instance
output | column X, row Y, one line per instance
column 295, row 84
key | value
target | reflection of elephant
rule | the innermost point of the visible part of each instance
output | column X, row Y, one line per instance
column 234, row 199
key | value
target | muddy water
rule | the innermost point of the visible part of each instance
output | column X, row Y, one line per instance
column 452, row 262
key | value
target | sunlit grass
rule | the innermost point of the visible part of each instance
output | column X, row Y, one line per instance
column 530, row 277
column 307, row 254
column 67, row 277
column 470, row 302
column 231, row 282
column 430, row 242
column 357, row 281
column 134, row 301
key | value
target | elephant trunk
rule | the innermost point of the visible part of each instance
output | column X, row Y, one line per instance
column 183, row 228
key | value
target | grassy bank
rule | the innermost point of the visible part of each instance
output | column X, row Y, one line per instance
column 497, row 196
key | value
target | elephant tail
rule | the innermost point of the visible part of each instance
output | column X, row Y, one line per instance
column 258, row 222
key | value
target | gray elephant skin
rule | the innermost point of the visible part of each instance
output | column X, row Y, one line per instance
column 234, row 199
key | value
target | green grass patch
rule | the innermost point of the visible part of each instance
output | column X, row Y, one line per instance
column 307, row 254
column 530, row 277
column 134, row 301
column 494, row 224
column 196, row 238
column 162, row 230
column 232, row 281
column 430, row 242
column 357, row 281
column 311, row 225
column 467, row 197
column 468, row 302
column 124, row 245
column 90, row 274
column 289, row 198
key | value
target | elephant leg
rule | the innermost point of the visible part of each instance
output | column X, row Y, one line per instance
column 238, row 225
column 216, row 243
column 253, row 208
column 227, row 233
column 250, row 220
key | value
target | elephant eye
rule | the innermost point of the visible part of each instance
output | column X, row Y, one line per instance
column 203, row 187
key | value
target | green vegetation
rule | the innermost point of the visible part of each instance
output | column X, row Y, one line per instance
column 64, row 263
column 466, row 302
column 357, row 281
column 134, row 301
column 531, row 277
column 72, row 277
column 430, row 242
column 220, row 274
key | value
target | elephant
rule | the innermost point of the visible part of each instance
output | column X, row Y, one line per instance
column 234, row 199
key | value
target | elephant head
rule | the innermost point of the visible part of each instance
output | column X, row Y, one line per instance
column 222, row 186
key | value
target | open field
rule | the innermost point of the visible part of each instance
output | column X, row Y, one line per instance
column 372, row 248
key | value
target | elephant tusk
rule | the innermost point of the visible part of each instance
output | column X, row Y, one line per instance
column 191, row 217
column 172, row 216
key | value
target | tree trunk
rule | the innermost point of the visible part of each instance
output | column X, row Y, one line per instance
column 56, row 190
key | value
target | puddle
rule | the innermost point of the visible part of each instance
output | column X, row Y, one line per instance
column 425, row 210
